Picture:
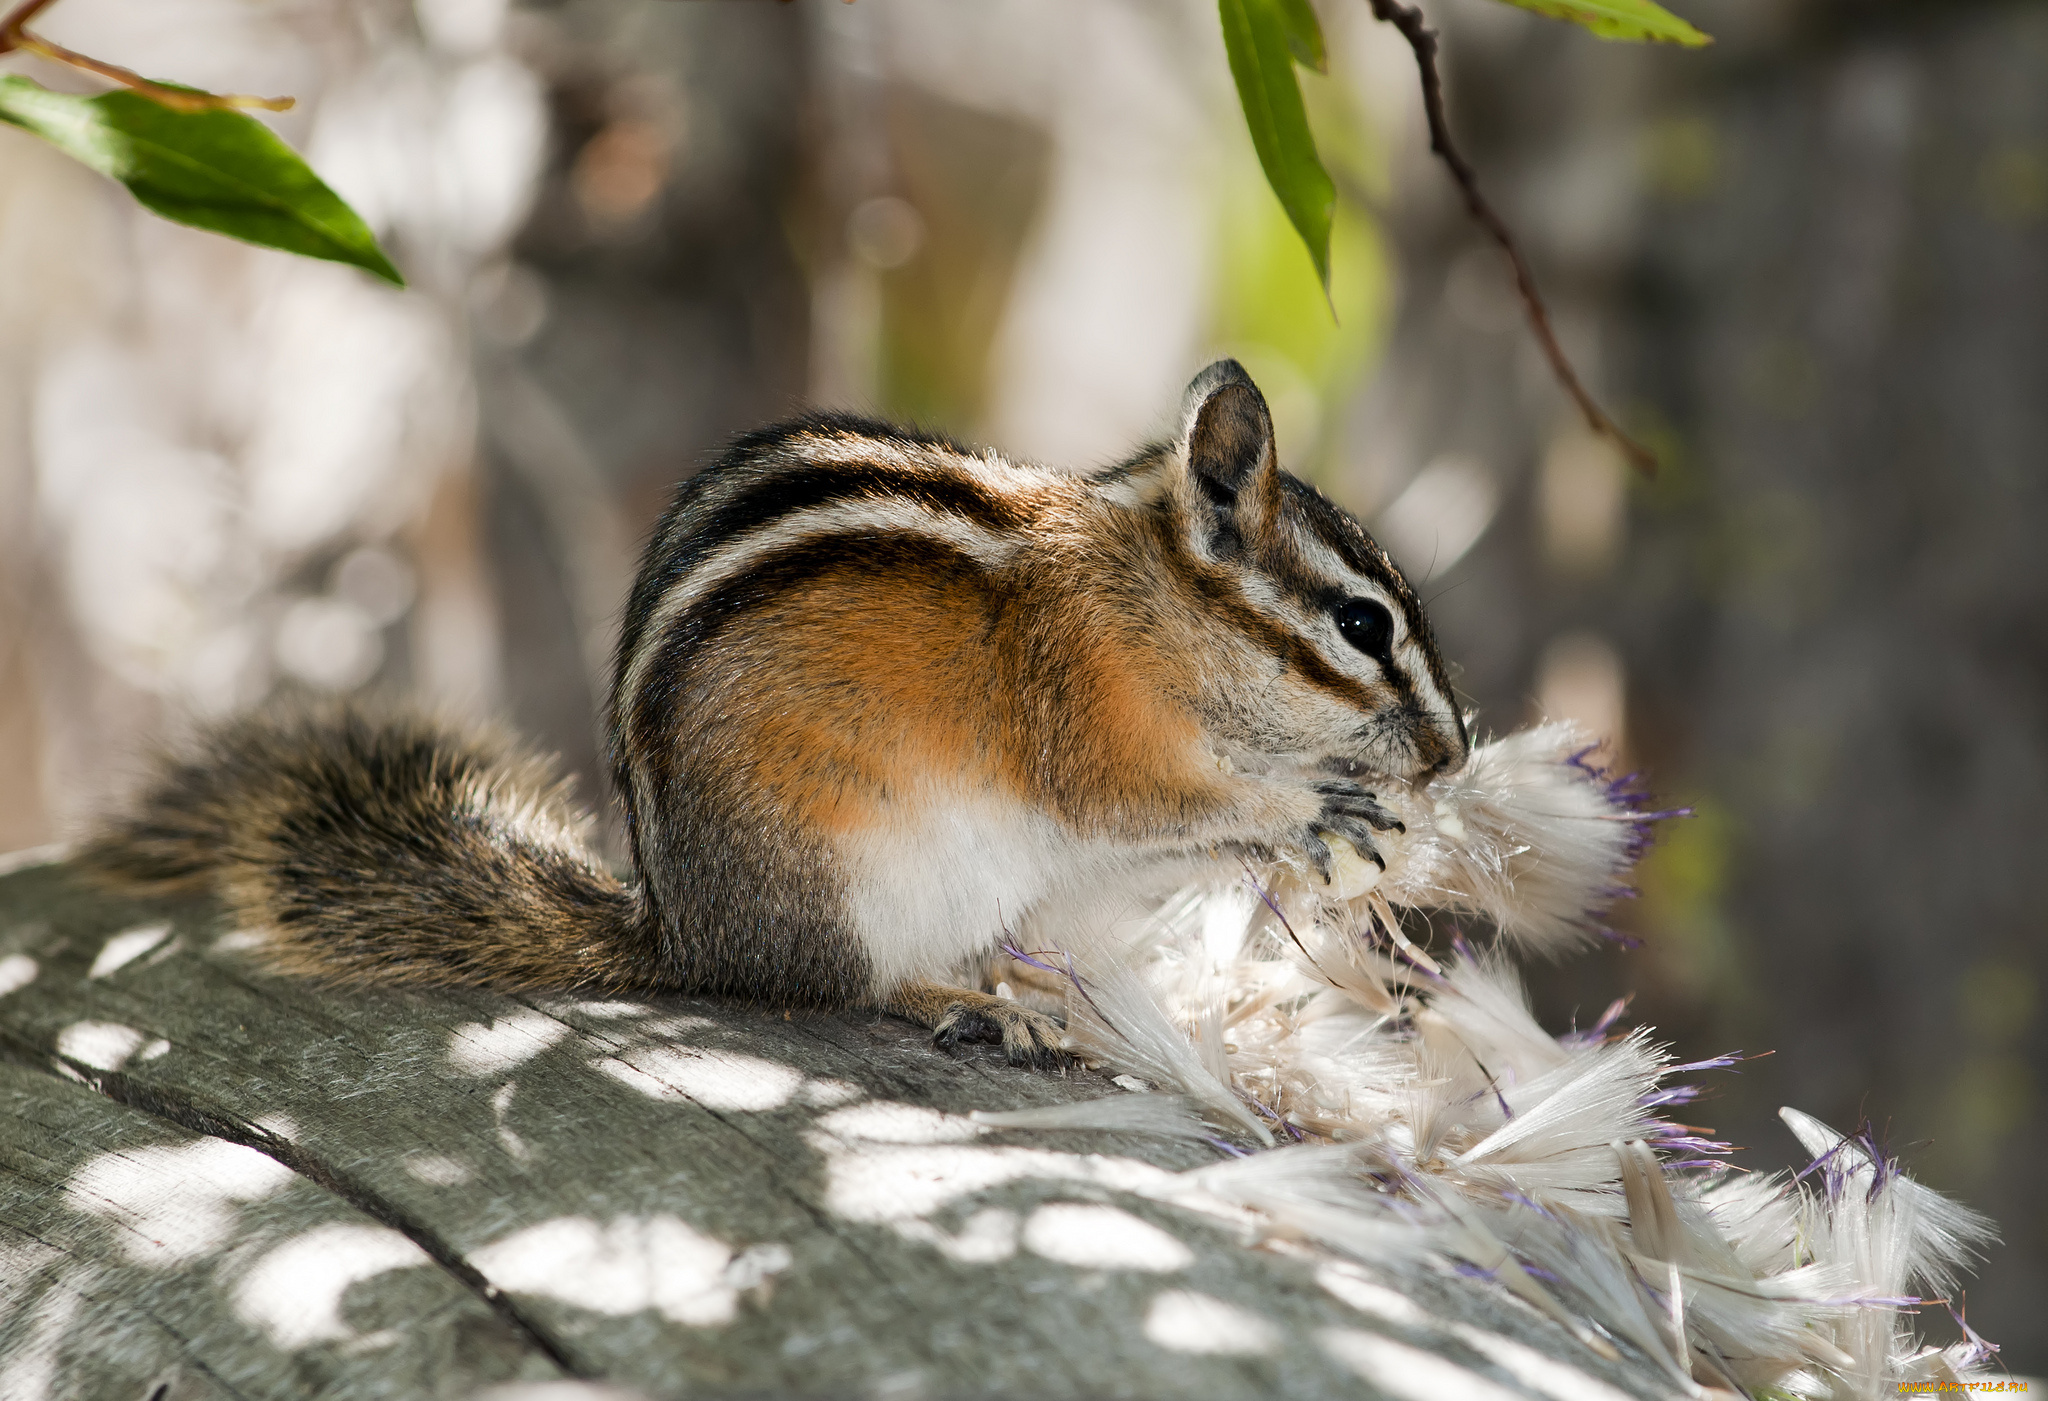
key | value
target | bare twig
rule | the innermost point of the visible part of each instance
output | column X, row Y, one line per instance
column 1422, row 39
column 15, row 38
column 10, row 28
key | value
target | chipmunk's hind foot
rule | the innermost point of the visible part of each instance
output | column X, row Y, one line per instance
column 1027, row 1037
column 962, row 1017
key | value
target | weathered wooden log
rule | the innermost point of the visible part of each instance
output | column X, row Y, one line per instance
column 219, row 1184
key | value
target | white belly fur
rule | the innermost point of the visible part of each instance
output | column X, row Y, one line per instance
column 953, row 876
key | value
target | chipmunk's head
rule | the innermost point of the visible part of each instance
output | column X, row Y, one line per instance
column 1331, row 656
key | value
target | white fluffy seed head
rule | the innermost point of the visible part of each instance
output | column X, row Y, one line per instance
column 1454, row 1129
column 1521, row 836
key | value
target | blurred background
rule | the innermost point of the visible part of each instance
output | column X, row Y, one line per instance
column 1809, row 264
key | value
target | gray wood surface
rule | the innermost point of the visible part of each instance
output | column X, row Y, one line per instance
column 215, row 1183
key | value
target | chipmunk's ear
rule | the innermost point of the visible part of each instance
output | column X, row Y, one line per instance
column 1227, row 442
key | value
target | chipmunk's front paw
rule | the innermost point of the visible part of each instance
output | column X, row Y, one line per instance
column 1027, row 1037
column 1353, row 813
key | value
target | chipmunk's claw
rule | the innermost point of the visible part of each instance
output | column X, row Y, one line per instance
column 1319, row 856
column 1344, row 798
column 1352, row 814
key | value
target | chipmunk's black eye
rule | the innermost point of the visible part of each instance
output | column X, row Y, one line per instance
column 1368, row 626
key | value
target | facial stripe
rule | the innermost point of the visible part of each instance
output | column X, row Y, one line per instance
column 1344, row 537
column 1316, row 557
column 1281, row 564
column 1340, row 532
column 1221, row 590
column 1336, row 531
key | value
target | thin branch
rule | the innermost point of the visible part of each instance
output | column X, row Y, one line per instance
column 10, row 28
column 15, row 38
column 1422, row 39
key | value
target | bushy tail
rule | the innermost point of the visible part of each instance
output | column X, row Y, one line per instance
column 386, row 847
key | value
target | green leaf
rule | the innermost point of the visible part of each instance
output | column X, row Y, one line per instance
column 1305, row 35
column 1620, row 19
column 220, row 170
column 1255, row 37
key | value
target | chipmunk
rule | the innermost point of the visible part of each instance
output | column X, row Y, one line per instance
column 875, row 696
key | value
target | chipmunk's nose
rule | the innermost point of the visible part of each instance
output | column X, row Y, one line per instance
column 1441, row 744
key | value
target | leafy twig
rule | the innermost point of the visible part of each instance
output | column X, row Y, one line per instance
column 187, row 155
column 1422, row 39
column 15, row 38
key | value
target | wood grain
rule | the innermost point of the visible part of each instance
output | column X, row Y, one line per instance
column 225, row 1184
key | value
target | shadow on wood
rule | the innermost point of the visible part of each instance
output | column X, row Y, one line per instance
column 219, row 1184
